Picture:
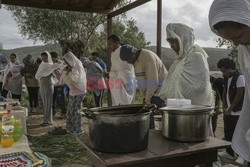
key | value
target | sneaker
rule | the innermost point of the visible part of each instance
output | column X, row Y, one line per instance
column 224, row 154
column 240, row 160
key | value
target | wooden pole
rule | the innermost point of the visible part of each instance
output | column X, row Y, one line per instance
column 109, row 32
column 159, row 27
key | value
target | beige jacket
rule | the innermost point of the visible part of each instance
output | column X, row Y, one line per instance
column 150, row 73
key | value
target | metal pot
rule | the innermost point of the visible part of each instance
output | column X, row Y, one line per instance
column 119, row 129
column 186, row 124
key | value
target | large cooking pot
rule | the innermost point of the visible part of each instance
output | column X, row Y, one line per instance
column 119, row 129
column 186, row 124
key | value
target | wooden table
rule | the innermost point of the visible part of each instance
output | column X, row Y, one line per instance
column 160, row 153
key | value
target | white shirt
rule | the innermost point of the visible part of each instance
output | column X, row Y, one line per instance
column 240, row 83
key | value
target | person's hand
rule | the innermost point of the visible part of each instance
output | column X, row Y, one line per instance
column 68, row 69
column 105, row 74
column 217, row 111
column 58, row 74
column 228, row 112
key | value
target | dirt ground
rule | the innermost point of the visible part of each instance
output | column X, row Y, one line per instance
column 35, row 129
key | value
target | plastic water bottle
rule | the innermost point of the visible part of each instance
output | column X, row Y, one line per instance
column 7, row 139
column 9, row 97
column 18, row 129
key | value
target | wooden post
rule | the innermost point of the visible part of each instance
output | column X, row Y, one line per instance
column 109, row 32
column 159, row 27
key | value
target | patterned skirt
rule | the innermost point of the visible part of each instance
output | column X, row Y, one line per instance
column 74, row 124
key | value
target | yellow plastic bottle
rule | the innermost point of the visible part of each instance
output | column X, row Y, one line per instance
column 7, row 139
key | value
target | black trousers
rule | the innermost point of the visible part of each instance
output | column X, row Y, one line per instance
column 33, row 96
column 59, row 97
column 214, row 123
column 14, row 96
column 229, row 127
column 159, row 103
column 98, row 99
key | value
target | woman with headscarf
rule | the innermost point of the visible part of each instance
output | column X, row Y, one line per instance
column 3, row 63
column 44, row 75
column 95, row 79
column 230, row 19
column 12, row 81
column 29, row 71
column 188, row 76
column 75, row 77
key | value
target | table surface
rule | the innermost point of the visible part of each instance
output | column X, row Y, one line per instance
column 21, row 113
column 20, row 145
column 158, row 148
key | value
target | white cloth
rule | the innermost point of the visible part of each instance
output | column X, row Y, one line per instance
column 121, row 70
column 14, row 84
column 45, row 69
column 239, row 84
column 237, row 11
column 229, row 10
column 77, row 76
column 239, row 143
column 188, row 76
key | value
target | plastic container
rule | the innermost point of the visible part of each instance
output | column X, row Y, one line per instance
column 18, row 129
column 7, row 139
column 158, row 122
column 9, row 97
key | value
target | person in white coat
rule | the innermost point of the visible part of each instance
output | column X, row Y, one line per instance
column 188, row 76
column 121, row 73
column 230, row 19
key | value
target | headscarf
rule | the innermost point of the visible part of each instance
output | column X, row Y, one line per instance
column 29, row 66
column 45, row 69
column 28, row 60
column 185, row 38
column 13, row 83
column 85, row 61
column 127, row 51
column 3, row 61
column 188, row 76
column 94, row 71
column 77, row 75
column 229, row 10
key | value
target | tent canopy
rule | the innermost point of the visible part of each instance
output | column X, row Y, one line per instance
column 92, row 6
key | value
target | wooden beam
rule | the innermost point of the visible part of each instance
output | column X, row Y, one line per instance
column 112, row 4
column 128, row 7
column 159, row 27
column 109, row 31
column 54, row 6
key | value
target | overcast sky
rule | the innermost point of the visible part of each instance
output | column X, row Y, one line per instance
column 193, row 13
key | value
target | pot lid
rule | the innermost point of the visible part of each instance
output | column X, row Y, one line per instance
column 117, row 108
column 190, row 109
column 122, row 109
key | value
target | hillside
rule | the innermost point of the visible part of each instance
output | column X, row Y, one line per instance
column 215, row 54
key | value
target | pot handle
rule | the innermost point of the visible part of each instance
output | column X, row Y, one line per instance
column 88, row 114
column 151, row 107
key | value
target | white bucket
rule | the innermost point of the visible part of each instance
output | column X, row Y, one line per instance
column 158, row 122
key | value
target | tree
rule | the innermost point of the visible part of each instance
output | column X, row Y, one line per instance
column 230, row 46
column 1, row 46
column 67, row 28
column 78, row 31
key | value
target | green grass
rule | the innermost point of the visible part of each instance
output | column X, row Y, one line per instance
column 62, row 149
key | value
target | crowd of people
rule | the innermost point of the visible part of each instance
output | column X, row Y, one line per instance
column 138, row 68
